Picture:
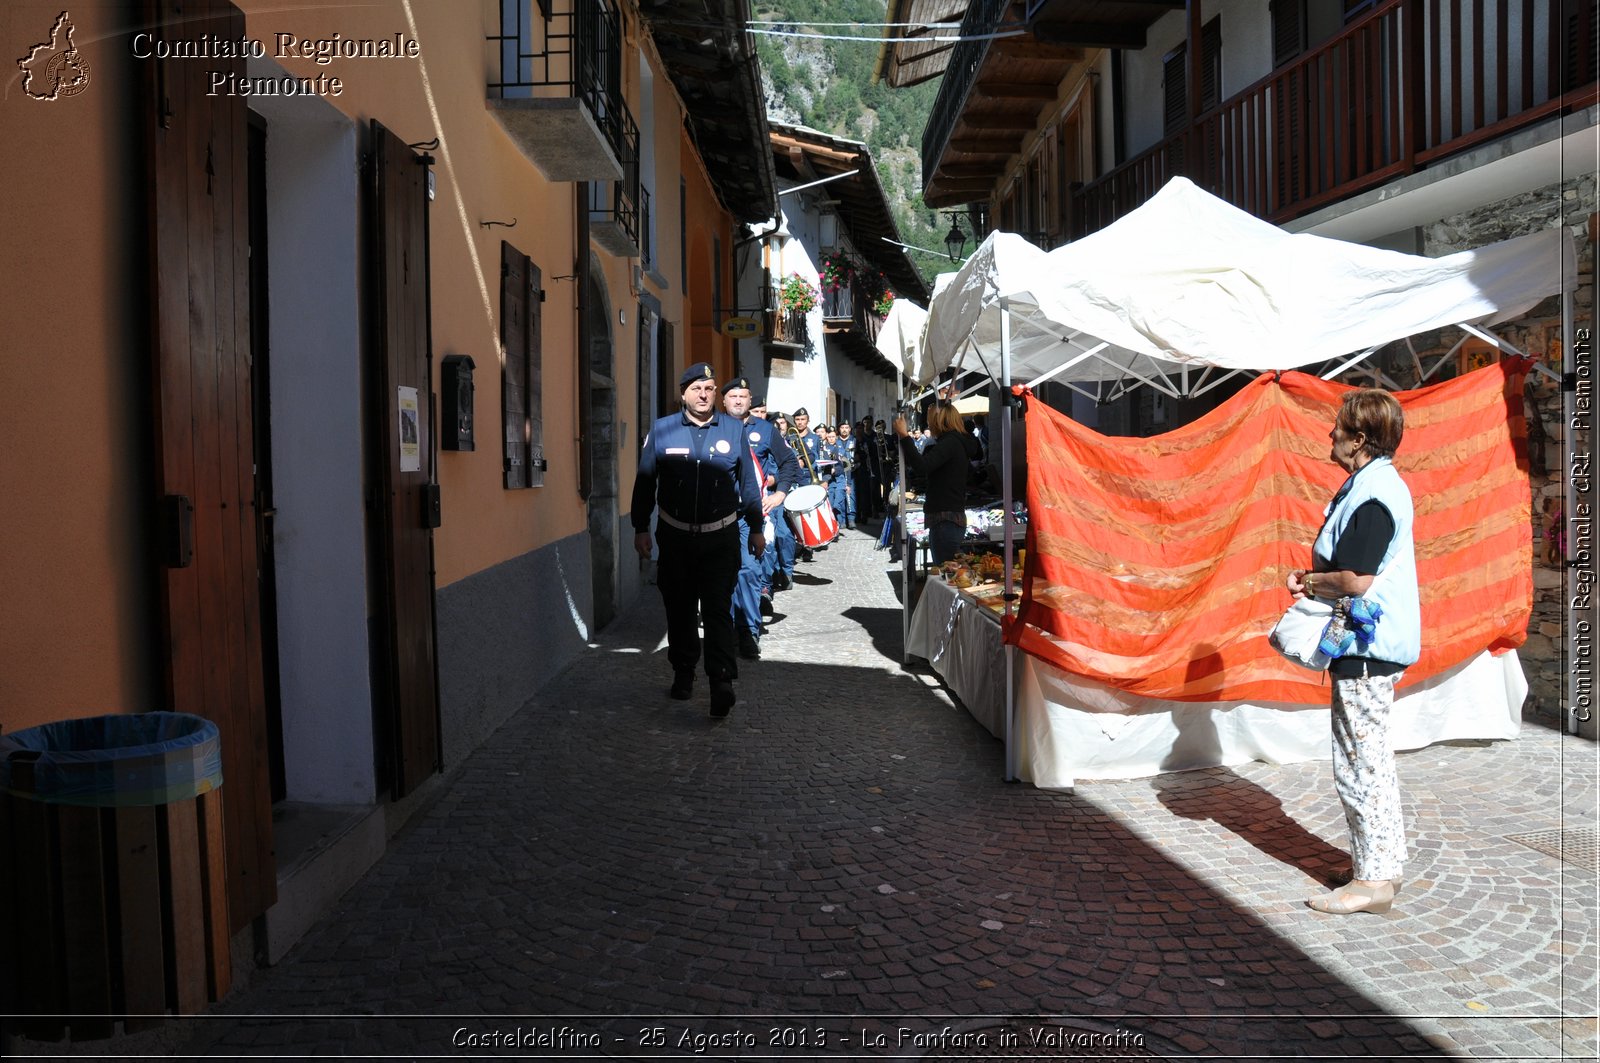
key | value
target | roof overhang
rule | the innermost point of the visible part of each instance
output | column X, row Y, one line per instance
column 713, row 66
column 862, row 205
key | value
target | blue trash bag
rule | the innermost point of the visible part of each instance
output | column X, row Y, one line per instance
column 149, row 758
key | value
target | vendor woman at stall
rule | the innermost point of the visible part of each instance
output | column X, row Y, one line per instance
column 944, row 465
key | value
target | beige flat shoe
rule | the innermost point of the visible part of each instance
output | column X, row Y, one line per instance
column 1344, row 876
column 1347, row 900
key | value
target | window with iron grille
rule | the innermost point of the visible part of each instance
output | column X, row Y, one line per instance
column 521, row 378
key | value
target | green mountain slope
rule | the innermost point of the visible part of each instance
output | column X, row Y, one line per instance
column 828, row 85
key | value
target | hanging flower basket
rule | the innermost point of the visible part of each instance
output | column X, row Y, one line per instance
column 835, row 273
column 797, row 293
column 883, row 304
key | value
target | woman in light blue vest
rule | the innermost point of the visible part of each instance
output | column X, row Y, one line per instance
column 1364, row 550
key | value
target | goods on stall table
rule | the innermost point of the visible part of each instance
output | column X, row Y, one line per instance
column 972, row 570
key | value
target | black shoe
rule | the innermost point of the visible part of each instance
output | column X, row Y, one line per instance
column 682, row 686
column 722, row 697
column 749, row 645
column 781, row 581
column 766, row 605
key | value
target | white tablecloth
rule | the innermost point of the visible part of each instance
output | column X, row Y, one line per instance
column 1071, row 728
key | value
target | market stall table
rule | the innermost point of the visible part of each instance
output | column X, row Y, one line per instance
column 1070, row 728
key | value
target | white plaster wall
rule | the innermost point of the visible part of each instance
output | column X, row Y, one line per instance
column 1141, row 79
column 1246, row 42
column 313, row 170
column 1246, row 59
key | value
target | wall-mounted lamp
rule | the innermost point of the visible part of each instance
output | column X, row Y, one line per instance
column 955, row 241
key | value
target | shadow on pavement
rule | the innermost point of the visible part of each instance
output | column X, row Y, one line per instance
column 839, row 852
column 1252, row 814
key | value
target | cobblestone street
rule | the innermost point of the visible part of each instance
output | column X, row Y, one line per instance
column 838, row 870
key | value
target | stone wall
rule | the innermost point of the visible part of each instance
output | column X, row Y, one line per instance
column 1574, row 204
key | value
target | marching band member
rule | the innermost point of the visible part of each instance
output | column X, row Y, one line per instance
column 696, row 474
column 765, row 447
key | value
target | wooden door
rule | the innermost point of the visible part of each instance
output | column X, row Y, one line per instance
column 400, row 418
column 204, row 449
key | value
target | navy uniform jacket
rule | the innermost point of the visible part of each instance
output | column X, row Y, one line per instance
column 813, row 444
column 695, row 474
column 772, row 453
column 847, row 453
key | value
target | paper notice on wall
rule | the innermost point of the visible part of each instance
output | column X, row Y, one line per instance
column 410, row 445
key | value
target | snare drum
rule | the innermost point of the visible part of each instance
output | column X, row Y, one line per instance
column 811, row 515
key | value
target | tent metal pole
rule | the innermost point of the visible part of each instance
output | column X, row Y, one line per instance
column 1415, row 360
column 1216, row 383
column 1443, row 358
column 1008, row 523
column 1162, row 386
column 1064, row 366
column 900, row 514
column 1487, row 336
column 1364, row 354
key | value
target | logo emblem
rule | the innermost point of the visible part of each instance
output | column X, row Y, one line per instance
column 722, row 446
column 56, row 63
column 755, row 437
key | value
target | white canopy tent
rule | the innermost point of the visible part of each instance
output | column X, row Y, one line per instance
column 1187, row 290
column 1188, row 286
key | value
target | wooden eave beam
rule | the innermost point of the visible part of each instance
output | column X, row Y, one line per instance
column 960, row 184
column 1091, row 34
column 1019, row 121
column 1023, row 48
column 1015, row 90
column 989, row 171
column 984, row 145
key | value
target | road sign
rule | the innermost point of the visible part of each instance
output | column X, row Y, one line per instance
column 740, row 327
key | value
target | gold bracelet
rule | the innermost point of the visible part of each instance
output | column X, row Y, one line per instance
column 1311, row 585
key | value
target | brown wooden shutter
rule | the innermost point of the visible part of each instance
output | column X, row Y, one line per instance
column 204, row 451
column 1288, row 30
column 1174, row 90
column 533, row 352
column 522, row 377
column 402, row 358
column 666, row 357
column 1210, row 65
column 1583, row 43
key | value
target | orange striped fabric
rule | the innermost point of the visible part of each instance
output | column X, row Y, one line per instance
column 1157, row 565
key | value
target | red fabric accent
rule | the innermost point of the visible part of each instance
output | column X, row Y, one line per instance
column 1157, row 565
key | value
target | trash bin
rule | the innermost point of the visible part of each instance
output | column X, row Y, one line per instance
column 115, row 889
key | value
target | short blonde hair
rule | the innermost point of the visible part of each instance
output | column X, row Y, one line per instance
column 1376, row 414
column 943, row 417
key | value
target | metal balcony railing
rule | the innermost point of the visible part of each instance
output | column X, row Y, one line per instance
column 1408, row 84
column 647, row 248
column 575, row 50
column 852, row 302
column 614, row 205
column 959, row 75
column 785, row 326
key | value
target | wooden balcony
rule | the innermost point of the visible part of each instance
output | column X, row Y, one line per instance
column 787, row 329
column 1409, row 84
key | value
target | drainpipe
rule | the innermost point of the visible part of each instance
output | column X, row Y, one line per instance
column 1119, row 112
column 580, row 284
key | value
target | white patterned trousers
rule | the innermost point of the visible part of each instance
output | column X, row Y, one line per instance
column 1364, row 775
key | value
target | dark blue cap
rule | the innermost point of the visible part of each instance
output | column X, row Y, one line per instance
column 697, row 371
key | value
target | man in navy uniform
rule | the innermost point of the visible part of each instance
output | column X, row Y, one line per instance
column 765, row 448
column 696, row 472
column 808, row 447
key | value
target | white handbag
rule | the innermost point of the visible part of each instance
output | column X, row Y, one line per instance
column 1299, row 630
